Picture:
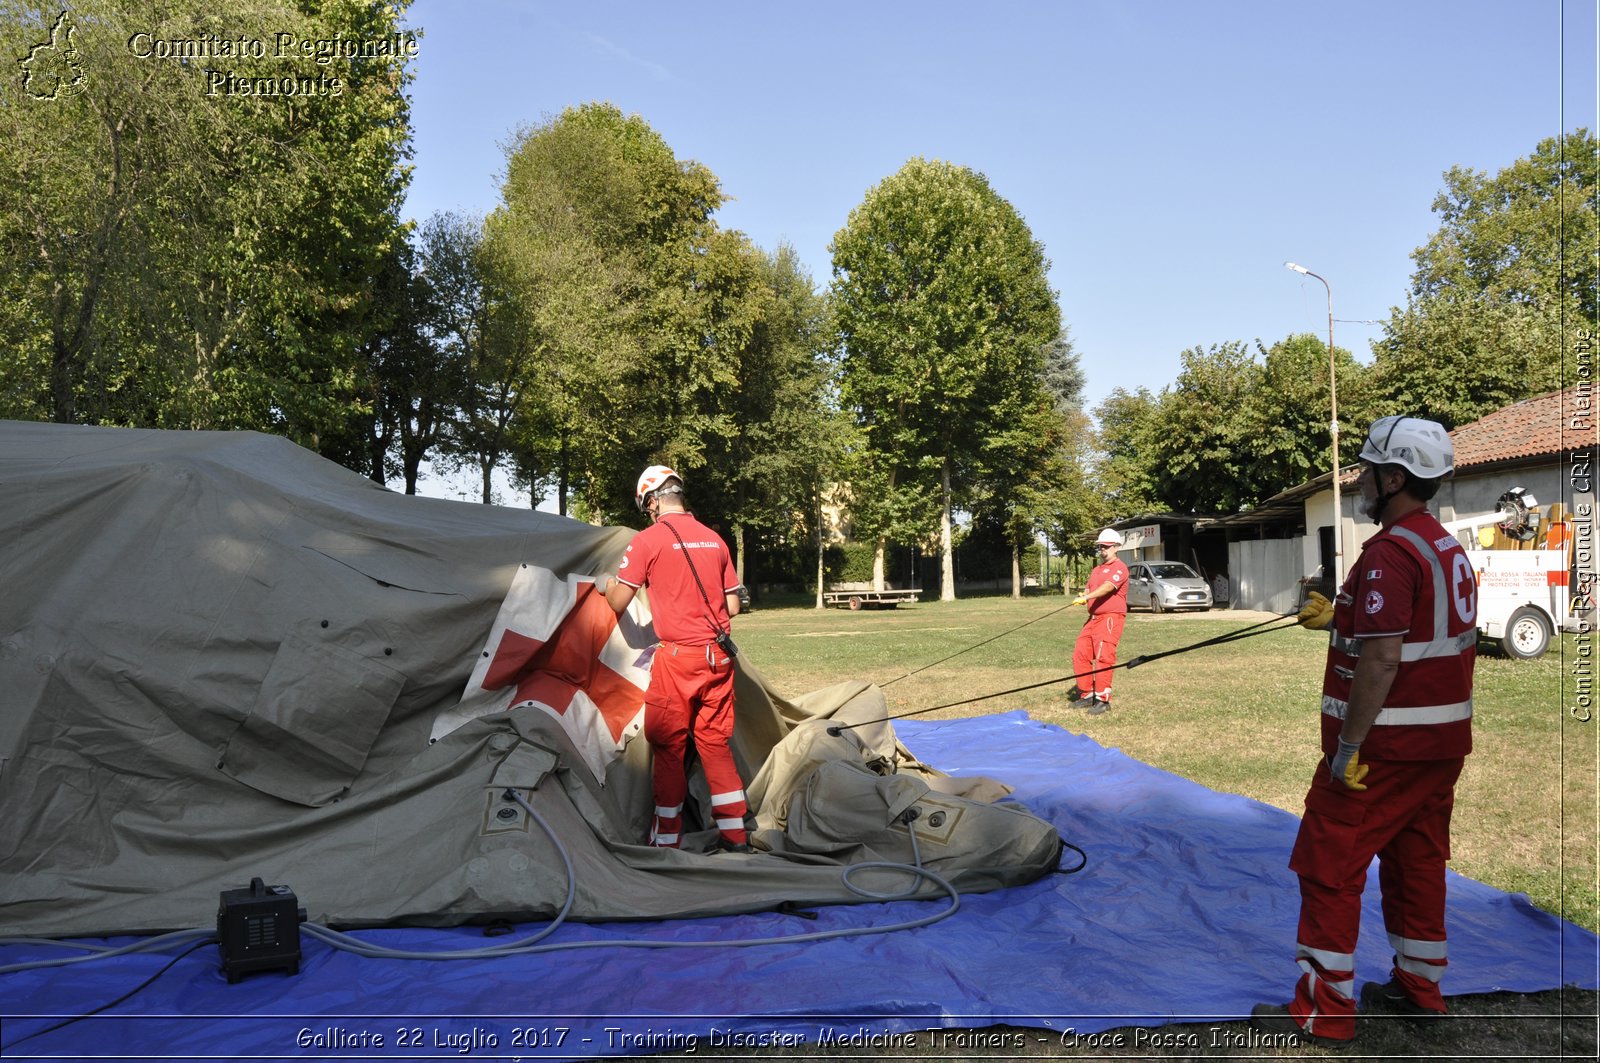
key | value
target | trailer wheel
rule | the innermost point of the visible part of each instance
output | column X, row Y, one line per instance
column 1527, row 634
column 856, row 603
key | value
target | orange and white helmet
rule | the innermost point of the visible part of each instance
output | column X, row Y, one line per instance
column 651, row 480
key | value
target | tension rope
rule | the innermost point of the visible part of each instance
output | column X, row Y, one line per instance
column 1249, row 631
column 985, row 642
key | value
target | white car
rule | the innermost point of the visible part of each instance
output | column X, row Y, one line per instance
column 1163, row 585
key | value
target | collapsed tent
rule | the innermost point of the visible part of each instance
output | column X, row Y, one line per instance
column 223, row 657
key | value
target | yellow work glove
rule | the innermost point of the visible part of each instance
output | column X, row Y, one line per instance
column 1317, row 613
column 1346, row 765
column 1080, row 600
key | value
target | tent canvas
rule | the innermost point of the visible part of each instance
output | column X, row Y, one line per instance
column 222, row 657
column 1185, row 912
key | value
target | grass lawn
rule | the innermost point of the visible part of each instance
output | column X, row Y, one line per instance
column 1239, row 718
column 1243, row 718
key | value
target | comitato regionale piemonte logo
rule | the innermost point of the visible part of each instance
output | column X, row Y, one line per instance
column 51, row 69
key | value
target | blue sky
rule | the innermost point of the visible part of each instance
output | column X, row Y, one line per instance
column 1169, row 156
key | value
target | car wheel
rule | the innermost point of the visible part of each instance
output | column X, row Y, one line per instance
column 1155, row 603
column 1527, row 634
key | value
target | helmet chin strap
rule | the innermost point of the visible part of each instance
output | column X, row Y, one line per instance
column 1374, row 509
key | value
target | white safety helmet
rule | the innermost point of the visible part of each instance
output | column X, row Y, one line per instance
column 1422, row 448
column 1109, row 537
column 651, row 480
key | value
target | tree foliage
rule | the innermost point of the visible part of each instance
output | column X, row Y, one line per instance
column 639, row 331
column 1511, row 266
column 943, row 312
column 622, row 288
column 196, row 257
column 1236, row 427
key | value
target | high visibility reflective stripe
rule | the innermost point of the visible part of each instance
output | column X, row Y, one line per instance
column 665, row 839
column 730, row 823
column 1442, row 644
column 1406, row 716
column 1416, row 651
column 728, row 798
column 1344, row 987
column 669, row 813
column 1441, row 603
column 1449, row 647
column 1421, row 950
column 1433, row 972
column 1328, row 961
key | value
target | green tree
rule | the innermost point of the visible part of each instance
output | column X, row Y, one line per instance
column 943, row 310
column 200, row 257
column 418, row 363
column 767, row 467
column 1512, row 266
column 1287, row 415
column 1064, row 502
column 1063, row 375
column 625, row 297
column 1206, row 453
column 1456, row 357
column 1126, row 478
column 1526, row 235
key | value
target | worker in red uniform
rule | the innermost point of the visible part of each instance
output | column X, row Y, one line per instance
column 693, row 595
column 1095, row 653
column 1396, row 726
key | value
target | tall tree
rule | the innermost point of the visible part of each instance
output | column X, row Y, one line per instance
column 1205, row 455
column 1063, row 375
column 1287, row 414
column 624, row 292
column 943, row 310
column 1125, row 476
column 776, row 451
column 1512, row 265
column 203, row 255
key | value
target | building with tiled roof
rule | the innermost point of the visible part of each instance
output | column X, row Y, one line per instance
column 1545, row 426
column 1547, row 445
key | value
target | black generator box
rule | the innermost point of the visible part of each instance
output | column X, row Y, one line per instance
column 259, row 929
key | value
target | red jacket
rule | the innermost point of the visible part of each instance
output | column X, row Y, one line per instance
column 1414, row 580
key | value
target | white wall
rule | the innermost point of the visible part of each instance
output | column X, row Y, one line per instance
column 1265, row 574
column 1470, row 495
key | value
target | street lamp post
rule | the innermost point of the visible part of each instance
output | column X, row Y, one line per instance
column 1333, row 425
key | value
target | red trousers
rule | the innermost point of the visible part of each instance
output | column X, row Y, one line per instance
column 1096, row 652
column 691, row 688
column 1403, row 818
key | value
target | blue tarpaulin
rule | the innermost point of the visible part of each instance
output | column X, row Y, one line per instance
column 1185, row 911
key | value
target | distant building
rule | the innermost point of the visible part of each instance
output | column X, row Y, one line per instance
column 1546, row 445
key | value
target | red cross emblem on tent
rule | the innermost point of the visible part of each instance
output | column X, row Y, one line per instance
column 557, row 644
column 551, row 671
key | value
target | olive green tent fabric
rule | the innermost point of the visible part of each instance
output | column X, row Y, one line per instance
column 221, row 657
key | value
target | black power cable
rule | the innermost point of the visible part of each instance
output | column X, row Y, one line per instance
column 104, row 1007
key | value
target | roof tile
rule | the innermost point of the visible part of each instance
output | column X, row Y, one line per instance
column 1542, row 425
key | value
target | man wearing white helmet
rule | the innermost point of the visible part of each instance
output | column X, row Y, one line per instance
column 1095, row 654
column 1396, row 726
column 691, row 675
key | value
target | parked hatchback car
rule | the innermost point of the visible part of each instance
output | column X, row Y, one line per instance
column 1162, row 585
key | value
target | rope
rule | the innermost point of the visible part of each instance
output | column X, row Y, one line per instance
column 1233, row 636
column 985, row 642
